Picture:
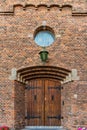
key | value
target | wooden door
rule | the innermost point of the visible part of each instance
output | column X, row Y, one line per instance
column 44, row 103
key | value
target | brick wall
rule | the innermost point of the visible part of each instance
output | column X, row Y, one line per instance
column 75, row 105
column 19, row 100
column 6, row 102
column 18, row 50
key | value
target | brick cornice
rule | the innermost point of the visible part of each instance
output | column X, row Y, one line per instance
column 74, row 12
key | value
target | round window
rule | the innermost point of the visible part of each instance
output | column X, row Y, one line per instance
column 44, row 38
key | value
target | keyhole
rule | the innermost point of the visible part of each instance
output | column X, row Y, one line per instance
column 52, row 97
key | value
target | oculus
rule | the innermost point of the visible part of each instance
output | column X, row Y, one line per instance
column 44, row 37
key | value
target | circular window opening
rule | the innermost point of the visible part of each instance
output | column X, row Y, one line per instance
column 44, row 36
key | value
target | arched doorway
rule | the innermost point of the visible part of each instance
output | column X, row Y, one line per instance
column 43, row 94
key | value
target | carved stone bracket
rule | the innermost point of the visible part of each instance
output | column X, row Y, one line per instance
column 13, row 75
column 73, row 76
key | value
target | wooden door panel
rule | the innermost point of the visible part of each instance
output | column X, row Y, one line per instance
column 53, row 103
column 44, row 103
column 35, row 103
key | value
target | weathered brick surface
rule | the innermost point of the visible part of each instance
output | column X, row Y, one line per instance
column 6, row 102
column 19, row 100
column 74, row 109
column 18, row 50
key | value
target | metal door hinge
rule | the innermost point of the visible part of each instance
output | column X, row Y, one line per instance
column 59, row 117
column 29, row 87
column 32, row 117
column 58, row 88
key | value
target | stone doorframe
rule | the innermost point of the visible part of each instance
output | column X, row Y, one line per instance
column 21, row 77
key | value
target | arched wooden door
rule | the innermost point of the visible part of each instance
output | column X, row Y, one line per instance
column 43, row 103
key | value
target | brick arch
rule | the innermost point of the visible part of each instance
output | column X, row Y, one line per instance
column 30, row 5
column 54, row 5
column 18, row 5
column 41, row 28
column 66, row 5
column 34, row 72
column 42, row 5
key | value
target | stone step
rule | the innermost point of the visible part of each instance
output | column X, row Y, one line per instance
column 43, row 128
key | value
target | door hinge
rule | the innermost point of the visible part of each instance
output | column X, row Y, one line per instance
column 29, row 87
column 59, row 117
column 32, row 117
column 59, row 87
